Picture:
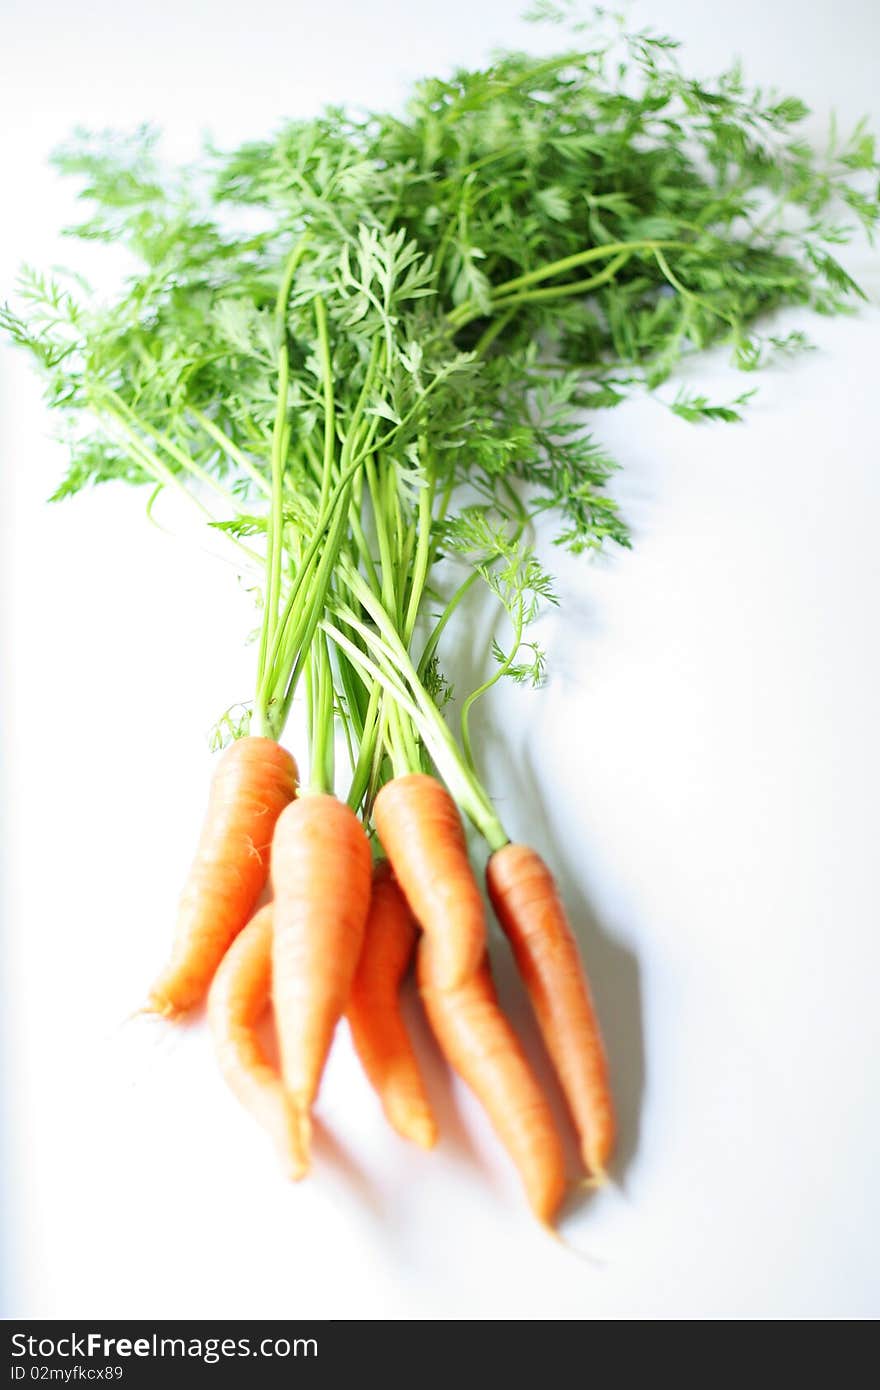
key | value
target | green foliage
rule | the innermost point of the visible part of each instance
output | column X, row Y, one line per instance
column 693, row 407
column 525, row 243
column 234, row 723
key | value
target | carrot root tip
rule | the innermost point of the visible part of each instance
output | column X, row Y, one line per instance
column 304, row 1136
column 595, row 1180
column 422, row 1131
column 414, row 1123
column 159, row 1006
column 147, row 1011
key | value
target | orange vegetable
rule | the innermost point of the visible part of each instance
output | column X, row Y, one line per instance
column 255, row 779
column 377, row 1028
column 422, row 834
column 481, row 1046
column 237, row 999
column 321, row 871
column 531, row 913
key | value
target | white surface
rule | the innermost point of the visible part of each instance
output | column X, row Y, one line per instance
column 702, row 770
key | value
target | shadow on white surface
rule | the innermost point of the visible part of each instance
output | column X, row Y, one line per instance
column 334, row 1161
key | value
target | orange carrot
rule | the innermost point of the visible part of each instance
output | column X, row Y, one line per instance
column 377, row 1028
column 238, row 997
column 529, row 909
column 254, row 781
column 481, row 1046
column 422, row 834
column 321, row 869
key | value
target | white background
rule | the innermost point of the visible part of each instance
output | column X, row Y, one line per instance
column 702, row 770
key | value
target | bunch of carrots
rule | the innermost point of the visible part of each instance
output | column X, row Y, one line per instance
column 337, row 940
column 362, row 352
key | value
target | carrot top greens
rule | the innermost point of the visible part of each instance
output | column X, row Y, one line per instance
column 367, row 348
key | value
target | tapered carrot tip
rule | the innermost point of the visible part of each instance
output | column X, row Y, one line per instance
column 550, row 1230
column 160, row 1006
column 153, row 1007
column 424, row 1133
column 545, row 1206
column 295, row 1167
column 293, row 1144
column 419, row 1129
column 304, row 1139
column 294, row 1158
